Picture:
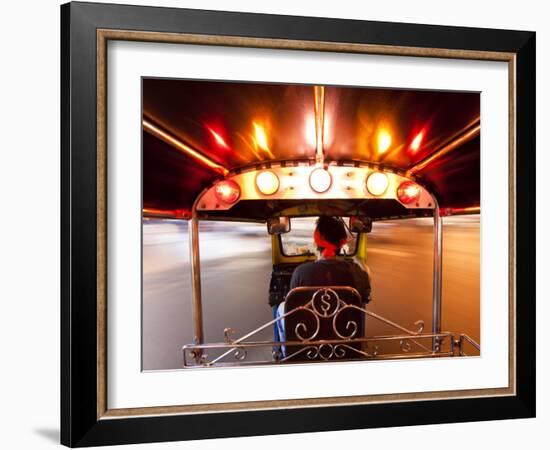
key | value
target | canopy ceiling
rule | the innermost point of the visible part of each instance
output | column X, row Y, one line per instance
column 221, row 121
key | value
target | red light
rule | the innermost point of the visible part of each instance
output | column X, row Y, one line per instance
column 408, row 192
column 218, row 138
column 227, row 191
column 417, row 141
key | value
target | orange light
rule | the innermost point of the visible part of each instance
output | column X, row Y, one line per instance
column 377, row 183
column 260, row 136
column 267, row 182
column 320, row 180
column 408, row 192
column 383, row 140
column 217, row 137
column 310, row 134
column 415, row 144
column 228, row 191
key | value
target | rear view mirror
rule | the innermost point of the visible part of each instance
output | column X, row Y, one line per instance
column 278, row 225
column 360, row 224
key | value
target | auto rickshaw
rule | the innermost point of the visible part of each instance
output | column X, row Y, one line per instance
column 193, row 172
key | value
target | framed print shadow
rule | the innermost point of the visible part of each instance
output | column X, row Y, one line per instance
column 277, row 224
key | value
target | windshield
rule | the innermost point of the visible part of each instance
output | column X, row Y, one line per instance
column 299, row 240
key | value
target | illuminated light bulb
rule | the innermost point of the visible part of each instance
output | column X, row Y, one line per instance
column 383, row 141
column 267, row 182
column 415, row 144
column 320, row 180
column 377, row 183
column 227, row 191
column 261, row 136
column 408, row 192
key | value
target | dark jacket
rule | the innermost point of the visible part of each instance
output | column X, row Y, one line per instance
column 332, row 272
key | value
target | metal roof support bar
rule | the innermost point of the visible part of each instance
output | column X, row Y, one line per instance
column 437, row 271
column 198, row 335
column 319, row 98
column 182, row 147
column 466, row 136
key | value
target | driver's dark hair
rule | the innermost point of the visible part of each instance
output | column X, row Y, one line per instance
column 332, row 229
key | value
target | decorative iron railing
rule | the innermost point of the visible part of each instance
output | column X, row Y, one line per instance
column 345, row 339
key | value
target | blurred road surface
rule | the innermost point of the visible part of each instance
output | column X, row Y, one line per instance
column 236, row 268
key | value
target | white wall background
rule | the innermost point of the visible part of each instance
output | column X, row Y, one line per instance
column 29, row 223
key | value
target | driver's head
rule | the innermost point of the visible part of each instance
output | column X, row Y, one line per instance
column 330, row 235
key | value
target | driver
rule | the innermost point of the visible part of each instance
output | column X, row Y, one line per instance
column 329, row 236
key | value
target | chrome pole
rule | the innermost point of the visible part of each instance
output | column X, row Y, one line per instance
column 437, row 270
column 196, row 279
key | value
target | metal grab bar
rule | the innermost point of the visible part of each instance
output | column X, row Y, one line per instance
column 238, row 351
column 464, row 337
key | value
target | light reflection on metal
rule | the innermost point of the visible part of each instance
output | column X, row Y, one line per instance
column 188, row 150
column 348, row 182
column 236, row 351
column 260, row 138
column 166, row 213
column 198, row 334
column 319, row 99
column 415, row 144
column 246, row 141
column 459, row 211
column 218, row 138
column 437, row 276
column 383, row 141
column 465, row 338
column 465, row 137
column 309, row 132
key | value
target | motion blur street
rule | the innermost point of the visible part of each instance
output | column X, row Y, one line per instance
column 236, row 269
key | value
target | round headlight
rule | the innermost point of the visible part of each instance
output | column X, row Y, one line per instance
column 267, row 182
column 408, row 192
column 227, row 191
column 377, row 183
column 320, row 180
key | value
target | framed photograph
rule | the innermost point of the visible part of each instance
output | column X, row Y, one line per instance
column 278, row 224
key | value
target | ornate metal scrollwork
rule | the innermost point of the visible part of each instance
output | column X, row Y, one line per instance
column 325, row 303
column 350, row 324
column 303, row 326
column 347, row 337
column 405, row 345
column 240, row 353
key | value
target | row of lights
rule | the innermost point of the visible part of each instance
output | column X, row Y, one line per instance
column 320, row 180
column 260, row 140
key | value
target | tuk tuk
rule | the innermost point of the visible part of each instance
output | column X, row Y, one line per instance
column 364, row 155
